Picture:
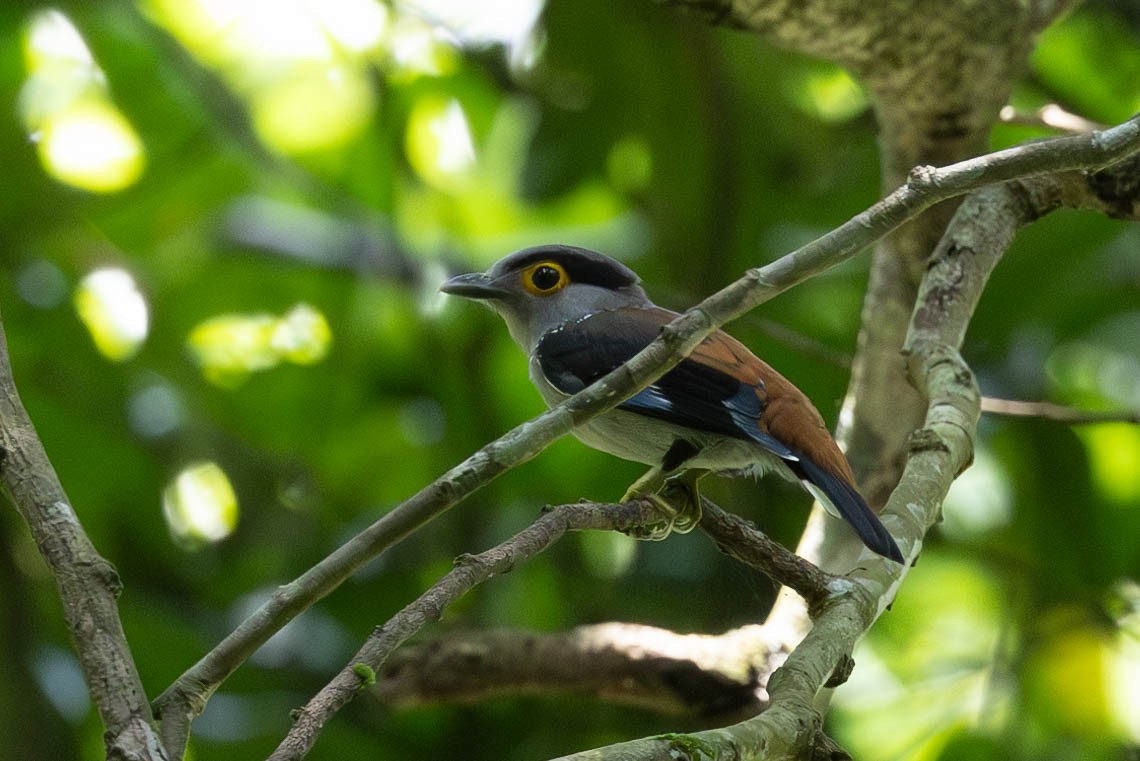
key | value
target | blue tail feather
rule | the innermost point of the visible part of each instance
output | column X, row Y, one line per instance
column 852, row 508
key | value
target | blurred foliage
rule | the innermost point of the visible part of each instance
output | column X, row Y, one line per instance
column 222, row 233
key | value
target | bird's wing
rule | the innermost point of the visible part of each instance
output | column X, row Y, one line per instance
column 714, row 389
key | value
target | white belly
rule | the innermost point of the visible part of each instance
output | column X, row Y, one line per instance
column 640, row 438
column 643, row 439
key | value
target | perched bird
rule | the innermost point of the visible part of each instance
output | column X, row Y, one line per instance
column 580, row 314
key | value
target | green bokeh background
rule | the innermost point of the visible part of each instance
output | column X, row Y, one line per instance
column 691, row 154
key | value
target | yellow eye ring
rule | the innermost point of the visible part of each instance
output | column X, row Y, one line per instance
column 544, row 278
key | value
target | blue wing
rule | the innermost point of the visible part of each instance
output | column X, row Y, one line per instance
column 691, row 395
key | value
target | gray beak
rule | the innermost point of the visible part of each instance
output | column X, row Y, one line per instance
column 476, row 285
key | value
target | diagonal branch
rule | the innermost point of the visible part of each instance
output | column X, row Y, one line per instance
column 184, row 699
column 469, row 571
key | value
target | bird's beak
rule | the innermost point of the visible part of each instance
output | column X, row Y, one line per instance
column 476, row 285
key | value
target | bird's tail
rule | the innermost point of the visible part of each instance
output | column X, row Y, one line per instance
column 850, row 506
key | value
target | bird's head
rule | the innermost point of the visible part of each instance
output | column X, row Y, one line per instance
column 538, row 289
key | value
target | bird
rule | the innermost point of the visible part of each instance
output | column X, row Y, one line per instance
column 578, row 314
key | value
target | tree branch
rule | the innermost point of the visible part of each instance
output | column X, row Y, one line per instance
column 88, row 585
column 1051, row 116
column 615, row 660
column 709, row 676
column 469, row 571
column 184, row 699
column 1057, row 412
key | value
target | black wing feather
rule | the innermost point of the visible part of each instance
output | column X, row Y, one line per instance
column 691, row 395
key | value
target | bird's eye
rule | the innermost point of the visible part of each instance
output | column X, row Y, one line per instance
column 545, row 278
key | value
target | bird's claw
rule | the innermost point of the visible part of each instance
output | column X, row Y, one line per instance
column 680, row 493
column 677, row 498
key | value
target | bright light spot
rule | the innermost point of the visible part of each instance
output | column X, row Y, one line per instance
column 979, row 500
column 416, row 49
column 439, row 143
column 488, row 21
column 52, row 38
column 231, row 347
column 231, row 31
column 312, row 111
column 110, row 306
column 298, row 63
column 81, row 138
column 1079, row 654
column 200, row 505
column 1124, row 674
column 155, row 411
column 277, row 30
column 41, row 284
column 91, row 146
column 1124, row 683
column 830, row 94
column 1114, row 457
column 358, row 26
column 302, row 336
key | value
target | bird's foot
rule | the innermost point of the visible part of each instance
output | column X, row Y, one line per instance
column 657, row 530
column 681, row 493
column 676, row 497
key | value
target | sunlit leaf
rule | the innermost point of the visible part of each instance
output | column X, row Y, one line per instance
column 480, row 23
column 230, row 347
column 114, row 311
column 302, row 336
column 81, row 137
column 418, row 50
column 1066, row 681
column 313, row 110
column 91, row 146
column 359, row 26
column 829, row 93
column 439, row 144
column 200, row 505
column 1114, row 456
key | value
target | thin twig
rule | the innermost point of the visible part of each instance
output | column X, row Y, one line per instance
column 1051, row 116
column 1057, row 412
column 738, row 538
